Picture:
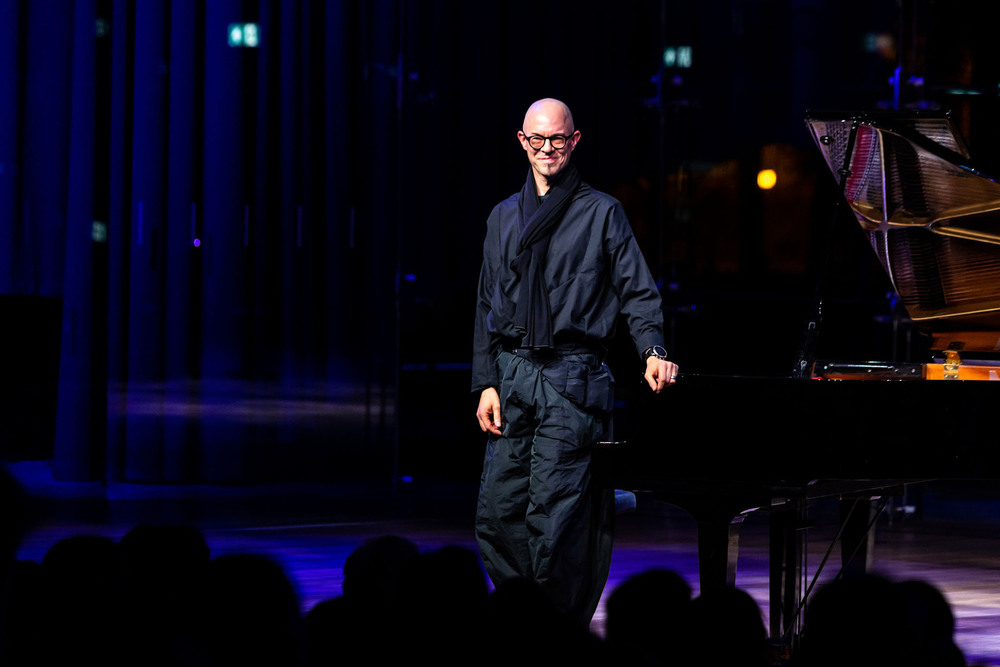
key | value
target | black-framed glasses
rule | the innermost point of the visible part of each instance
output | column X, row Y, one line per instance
column 557, row 141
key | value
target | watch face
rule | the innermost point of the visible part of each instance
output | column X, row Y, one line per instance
column 656, row 351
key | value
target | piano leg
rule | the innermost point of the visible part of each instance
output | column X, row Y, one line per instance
column 718, row 550
column 719, row 523
column 787, row 525
column 857, row 516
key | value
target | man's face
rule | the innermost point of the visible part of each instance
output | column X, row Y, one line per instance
column 547, row 161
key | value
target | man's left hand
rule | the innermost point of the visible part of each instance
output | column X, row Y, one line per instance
column 660, row 373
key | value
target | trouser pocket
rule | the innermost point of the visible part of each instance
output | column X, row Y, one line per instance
column 589, row 387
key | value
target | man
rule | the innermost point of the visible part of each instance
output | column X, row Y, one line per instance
column 560, row 264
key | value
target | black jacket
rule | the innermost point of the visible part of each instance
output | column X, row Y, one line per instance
column 594, row 271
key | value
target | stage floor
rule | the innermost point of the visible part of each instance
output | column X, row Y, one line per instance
column 310, row 531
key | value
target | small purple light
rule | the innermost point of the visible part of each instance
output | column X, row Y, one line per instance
column 197, row 243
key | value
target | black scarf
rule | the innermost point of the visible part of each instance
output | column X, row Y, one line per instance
column 536, row 221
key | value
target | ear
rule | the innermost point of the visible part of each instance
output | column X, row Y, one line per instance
column 523, row 139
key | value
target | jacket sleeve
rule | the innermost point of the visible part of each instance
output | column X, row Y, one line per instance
column 634, row 284
column 484, row 353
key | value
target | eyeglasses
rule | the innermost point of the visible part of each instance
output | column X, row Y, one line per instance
column 557, row 141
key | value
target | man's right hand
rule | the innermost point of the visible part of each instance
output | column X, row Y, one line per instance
column 488, row 413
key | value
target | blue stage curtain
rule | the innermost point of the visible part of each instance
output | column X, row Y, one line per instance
column 11, row 68
column 81, row 401
column 226, row 290
column 184, row 213
column 147, row 270
column 45, row 126
column 219, row 221
column 119, row 232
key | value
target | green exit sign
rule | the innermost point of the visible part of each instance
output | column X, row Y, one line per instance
column 243, row 35
column 680, row 57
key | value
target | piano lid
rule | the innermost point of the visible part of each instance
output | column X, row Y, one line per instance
column 931, row 216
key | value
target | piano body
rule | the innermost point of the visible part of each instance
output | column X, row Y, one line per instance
column 857, row 432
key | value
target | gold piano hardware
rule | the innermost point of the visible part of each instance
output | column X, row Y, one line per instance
column 951, row 364
column 961, row 372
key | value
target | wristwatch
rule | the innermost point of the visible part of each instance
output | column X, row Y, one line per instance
column 655, row 351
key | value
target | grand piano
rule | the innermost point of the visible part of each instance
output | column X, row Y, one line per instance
column 859, row 433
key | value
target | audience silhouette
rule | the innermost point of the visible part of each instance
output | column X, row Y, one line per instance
column 250, row 614
column 868, row 620
column 358, row 625
column 729, row 613
column 649, row 618
column 933, row 624
column 158, row 597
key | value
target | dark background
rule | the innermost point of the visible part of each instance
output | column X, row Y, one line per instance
column 230, row 264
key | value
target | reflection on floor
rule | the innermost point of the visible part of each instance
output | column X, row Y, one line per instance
column 311, row 531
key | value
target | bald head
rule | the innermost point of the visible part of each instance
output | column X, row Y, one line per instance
column 548, row 121
column 550, row 109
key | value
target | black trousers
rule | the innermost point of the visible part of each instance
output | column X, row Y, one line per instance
column 540, row 514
